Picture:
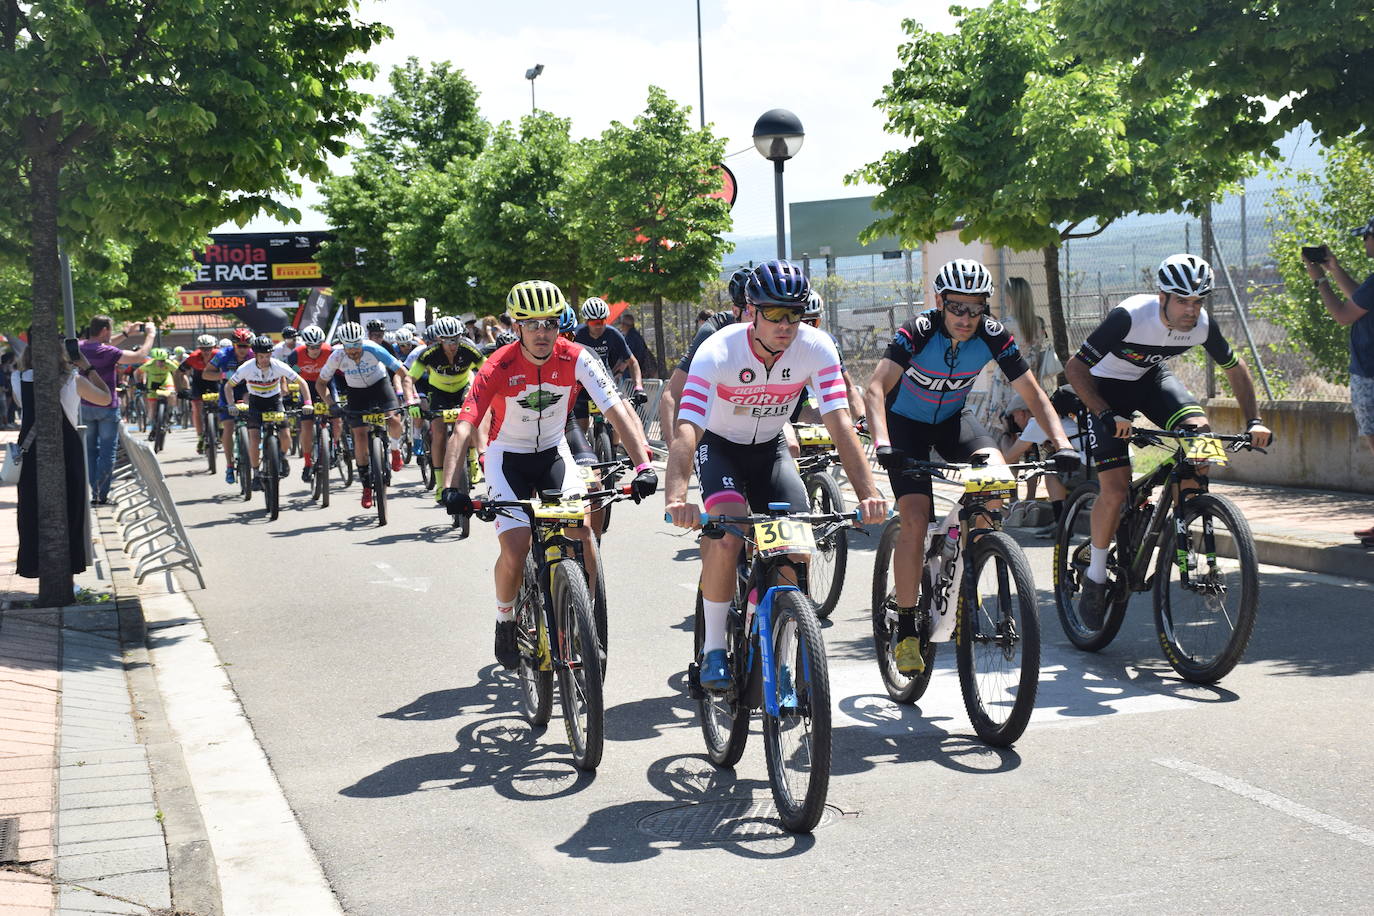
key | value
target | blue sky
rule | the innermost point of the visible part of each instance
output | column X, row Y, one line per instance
column 826, row 60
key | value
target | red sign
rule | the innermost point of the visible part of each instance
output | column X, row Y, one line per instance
column 730, row 189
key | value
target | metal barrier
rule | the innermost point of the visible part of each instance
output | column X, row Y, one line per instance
column 141, row 496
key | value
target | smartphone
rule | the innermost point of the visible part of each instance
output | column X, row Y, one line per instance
column 1317, row 254
column 73, row 349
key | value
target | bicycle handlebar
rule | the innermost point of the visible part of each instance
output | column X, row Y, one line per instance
column 1238, row 442
column 707, row 520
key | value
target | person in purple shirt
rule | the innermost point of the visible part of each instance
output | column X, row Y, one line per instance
column 102, row 422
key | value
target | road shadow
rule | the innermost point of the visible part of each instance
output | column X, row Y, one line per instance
column 893, row 733
column 435, row 533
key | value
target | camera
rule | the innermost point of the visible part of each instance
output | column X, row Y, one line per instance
column 1317, row 254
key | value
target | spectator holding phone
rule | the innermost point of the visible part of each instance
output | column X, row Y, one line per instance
column 102, row 420
column 1355, row 310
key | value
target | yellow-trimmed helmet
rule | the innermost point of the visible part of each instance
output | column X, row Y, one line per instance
column 535, row 299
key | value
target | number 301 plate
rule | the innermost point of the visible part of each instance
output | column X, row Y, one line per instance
column 783, row 536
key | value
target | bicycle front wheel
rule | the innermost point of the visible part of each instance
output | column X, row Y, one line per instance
column 464, row 484
column 245, row 467
column 322, row 450
column 160, row 429
column 532, row 639
column 376, row 451
column 999, row 640
column 211, row 432
column 422, row 460
column 901, row 688
column 1072, row 543
column 1204, row 623
column 579, row 674
column 825, row 575
column 271, row 475
column 796, row 741
column 724, row 716
column 604, row 452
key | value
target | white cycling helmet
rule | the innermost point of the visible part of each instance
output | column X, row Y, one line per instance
column 311, row 335
column 222, row 342
column 595, row 309
column 814, row 306
column 448, row 326
column 964, row 276
column 205, row 340
column 409, row 326
column 1185, row 275
column 405, row 337
column 349, row 334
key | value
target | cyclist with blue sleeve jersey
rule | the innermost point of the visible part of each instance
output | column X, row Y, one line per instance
column 916, row 401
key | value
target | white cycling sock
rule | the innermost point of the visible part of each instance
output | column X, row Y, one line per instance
column 1097, row 565
column 395, row 443
column 505, row 612
column 713, row 614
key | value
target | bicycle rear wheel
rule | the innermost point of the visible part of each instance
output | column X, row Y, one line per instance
column 532, row 639
column 271, row 474
column 579, row 675
column 999, row 640
column 825, row 573
column 422, row 461
column 796, row 741
column 1205, row 626
column 344, row 459
column 376, row 451
column 724, row 716
column 901, row 688
column 604, row 452
column 1072, row 540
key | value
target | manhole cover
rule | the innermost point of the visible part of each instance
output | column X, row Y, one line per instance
column 738, row 821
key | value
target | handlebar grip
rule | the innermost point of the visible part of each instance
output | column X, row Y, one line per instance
column 859, row 514
column 667, row 517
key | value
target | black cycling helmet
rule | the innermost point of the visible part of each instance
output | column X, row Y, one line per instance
column 262, row 344
column 738, row 280
column 288, row 333
column 376, row 324
column 778, row 283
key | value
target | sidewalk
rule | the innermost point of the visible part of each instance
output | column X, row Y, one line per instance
column 72, row 768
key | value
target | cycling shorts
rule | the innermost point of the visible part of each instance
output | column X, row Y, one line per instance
column 521, row 475
column 379, row 396
column 757, row 474
column 581, row 449
column 1159, row 395
column 446, row 400
column 258, row 406
column 955, row 438
column 200, row 386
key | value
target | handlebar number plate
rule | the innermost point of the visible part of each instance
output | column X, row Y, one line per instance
column 209, row 396
column 450, row 414
column 273, row 416
column 321, row 409
column 374, row 419
column 1205, row 448
column 814, row 435
column 571, row 512
column 781, row 535
column 995, row 482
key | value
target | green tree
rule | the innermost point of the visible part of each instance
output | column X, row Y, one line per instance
column 123, row 121
column 1314, row 210
column 512, row 224
column 406, row 179
column 638, row 205
column 1310, row 60
column 1028, row 146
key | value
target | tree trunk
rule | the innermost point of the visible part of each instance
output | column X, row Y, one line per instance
column 1059, row 328
column 54, row 564
column 658, row 337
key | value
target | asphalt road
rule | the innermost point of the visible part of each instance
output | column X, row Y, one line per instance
column 362, row 657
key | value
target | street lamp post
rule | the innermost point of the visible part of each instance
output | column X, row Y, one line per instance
column 531, row 74
column 778, row 137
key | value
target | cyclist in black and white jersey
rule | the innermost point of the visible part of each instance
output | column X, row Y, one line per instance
column 1122, row 368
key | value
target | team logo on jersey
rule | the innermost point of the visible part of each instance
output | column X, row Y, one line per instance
column 746, row 376
column 1135, row 356
column 994, row 327
column 922, row 324
column 934, row 383
column 539, row 400
column 787, row 374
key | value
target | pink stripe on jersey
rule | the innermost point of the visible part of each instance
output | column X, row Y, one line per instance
column 695, row 409
column 694, row 393
column 698, row 381
column 835, row 384
column 832, row 370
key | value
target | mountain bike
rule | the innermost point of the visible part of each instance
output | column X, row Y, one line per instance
column 555, row 628
column 1205, row 589
column 976, row 588
column 378, row 459
column 601, row 441
column 270, row 459
column 243, row 467
column 776, row 659
column 161, row 418
column 831, row 557
column 293, row 415
column 209, row 427
column 423, row 460
column 323, row 454
column 469, row 470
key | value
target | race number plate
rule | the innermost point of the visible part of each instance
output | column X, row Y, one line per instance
column 996, row 482
column 321, row 409
column 591, row 477
column 814, row 435
column 450, row 414
column 570, row 512
column 273, row 416
column 375, row 419
column 293, row 387
column 1204, row 448
column 782, row 535
column 209, row 397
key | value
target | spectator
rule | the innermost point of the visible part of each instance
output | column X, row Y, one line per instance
column 1356, row 311
column 647, row 366
column 102, row 420
column 81, row 385
column 1027, row 436
column 1028, row 330
column 703, row 316
column 7, row 403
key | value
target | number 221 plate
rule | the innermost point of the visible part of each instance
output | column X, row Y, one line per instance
column 783, row 536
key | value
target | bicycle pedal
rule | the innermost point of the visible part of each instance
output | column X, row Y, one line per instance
column 694, row 690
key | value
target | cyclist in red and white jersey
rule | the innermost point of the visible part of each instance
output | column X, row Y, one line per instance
column 741, row 388
column 529, row 389
column 308, row 359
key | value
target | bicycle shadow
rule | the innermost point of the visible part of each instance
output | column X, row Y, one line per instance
column 501, row 752
column 893, row 733
column 440, row 534
column 612, row 835
column 652, row 717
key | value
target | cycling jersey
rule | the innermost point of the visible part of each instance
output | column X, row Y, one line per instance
column 444, row 374
column 937, row 376
column 371, row 366
column 158, row 373
column 530, row 403
column 1133, row 339
column 195, row 363
column 731, row 393
column 263, row 382
column 708, row 327
column 610, row 347
column 307, row 366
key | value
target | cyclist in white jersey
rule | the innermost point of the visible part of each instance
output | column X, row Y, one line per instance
column 1121, row 368
column 264, row 377
column 741, row 388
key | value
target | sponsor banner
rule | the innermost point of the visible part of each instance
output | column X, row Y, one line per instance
column 259, row 260
column 309, row 271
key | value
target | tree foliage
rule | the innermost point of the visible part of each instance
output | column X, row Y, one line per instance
column 1313, row 60
column 1027, row 145
column 1316, row 210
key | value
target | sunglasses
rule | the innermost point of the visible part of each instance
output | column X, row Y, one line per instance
column 596, row 322
column 242, row 346
column 960, row 310
column 453, row 339
column 777, row 314
column 540, row 324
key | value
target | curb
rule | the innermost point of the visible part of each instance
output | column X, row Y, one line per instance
column 191, row 863
column 1309, row 556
